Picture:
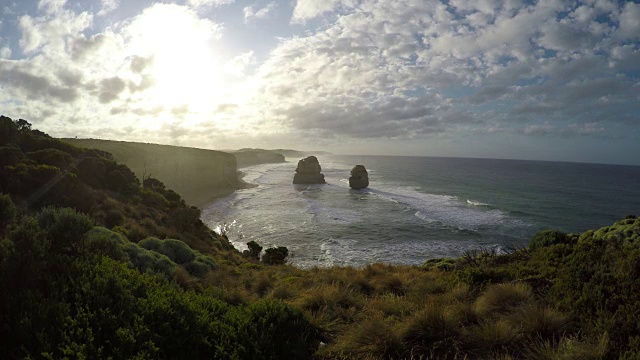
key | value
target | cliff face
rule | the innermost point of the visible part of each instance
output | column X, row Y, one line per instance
column 195, row 174
column 248, row 157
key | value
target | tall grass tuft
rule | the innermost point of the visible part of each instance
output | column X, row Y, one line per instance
column 431, row 331
column 501, row 298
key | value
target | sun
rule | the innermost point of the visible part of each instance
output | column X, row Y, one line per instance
column 184, row 66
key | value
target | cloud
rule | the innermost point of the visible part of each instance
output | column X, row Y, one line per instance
column 5, row 52
column 252, row 13
column 51, row 6
column 630, row 21
column 356, row 71
column 208, row 3
column 309, row 9
column 108, row 6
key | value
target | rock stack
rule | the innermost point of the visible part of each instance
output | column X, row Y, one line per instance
column 359, row 177
column 308, row 172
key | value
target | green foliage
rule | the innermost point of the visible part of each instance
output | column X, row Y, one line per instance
column 254, row 250
column 275, row 256
column 65, row 227
column 176, row 250
column 8, row 211
column 146, row 260
column 271, row 330
column 8, row 130
column 598, row 285
column 10, row 155
column 200, row 266
column 92, row 171
column 52, row 157
column 104, row 242
column 548, row 238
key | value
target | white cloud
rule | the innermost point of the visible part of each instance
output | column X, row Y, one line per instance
column 5, row 53
column 108, row 6
column 630, row 21
column 309, row 9
column 405, row 69
column 252, row 13
column 51, row 6
column 209, row 3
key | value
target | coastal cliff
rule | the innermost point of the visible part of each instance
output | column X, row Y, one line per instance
column 198, row 175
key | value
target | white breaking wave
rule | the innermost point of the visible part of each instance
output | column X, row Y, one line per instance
column 476, row 203
column 446, row 209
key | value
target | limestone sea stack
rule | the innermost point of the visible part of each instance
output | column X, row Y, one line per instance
column 359, row 177
column 308, row 172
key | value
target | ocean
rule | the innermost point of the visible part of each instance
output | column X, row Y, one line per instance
column 417, row 208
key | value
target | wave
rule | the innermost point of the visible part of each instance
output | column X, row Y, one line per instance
column 476, row 203
column 446, row 209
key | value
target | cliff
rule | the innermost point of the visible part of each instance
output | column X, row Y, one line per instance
column 198, row 175
column 248, row 157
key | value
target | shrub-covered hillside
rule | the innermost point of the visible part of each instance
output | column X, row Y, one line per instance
column 94, row 264
column 198, row 175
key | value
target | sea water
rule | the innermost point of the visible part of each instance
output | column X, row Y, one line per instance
column 417, row 208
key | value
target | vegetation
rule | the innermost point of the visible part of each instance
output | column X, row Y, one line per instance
column 96, row 268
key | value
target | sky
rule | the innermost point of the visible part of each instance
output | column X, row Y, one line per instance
column 542, row 80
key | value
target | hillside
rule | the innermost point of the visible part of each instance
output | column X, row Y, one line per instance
column 299, row 154
column 248, row 157
column 198, row 175
column 94, row 264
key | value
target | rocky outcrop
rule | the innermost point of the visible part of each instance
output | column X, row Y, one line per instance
column 308, row 172
column 359, row 177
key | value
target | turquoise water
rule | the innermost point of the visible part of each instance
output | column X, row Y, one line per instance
column 418, row 208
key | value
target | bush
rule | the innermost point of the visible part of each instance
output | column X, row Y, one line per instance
column 254, row 250
column 52, row 157
column 65, row 227
column 275, row 256
column 92, row 171
column 273, row 330
column 176, row 250
column 502, row 297
column 10, row 155
column 548, row 238
column 599, row 284
column 101, row 241
column 8, row 211
column 8, row 130
column 145, row 260
column 431, row 331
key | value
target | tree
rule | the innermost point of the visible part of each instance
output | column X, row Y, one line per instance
column 275, row 256
column 254, row 250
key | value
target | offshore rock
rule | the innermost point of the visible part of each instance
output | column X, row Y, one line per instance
column 359, row 178
column 308, row 172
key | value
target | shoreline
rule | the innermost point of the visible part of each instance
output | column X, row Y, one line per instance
column 210, row 195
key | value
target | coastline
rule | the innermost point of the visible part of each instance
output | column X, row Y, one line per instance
column 210, row 195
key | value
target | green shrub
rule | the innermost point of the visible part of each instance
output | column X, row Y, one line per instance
column 547, row 238
column 102, row 241
column 151, row 243
column 10, row 155
column 599, row 285
column 65, row 228
column 8, row 130
column 432, row 331
column 92, row 171
column 275, row 256
column 272, row 330
column 52, row 157
column 254, row 250
column 145, row 260
column 176, row 250
column 8, row 211
column 502, row 297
